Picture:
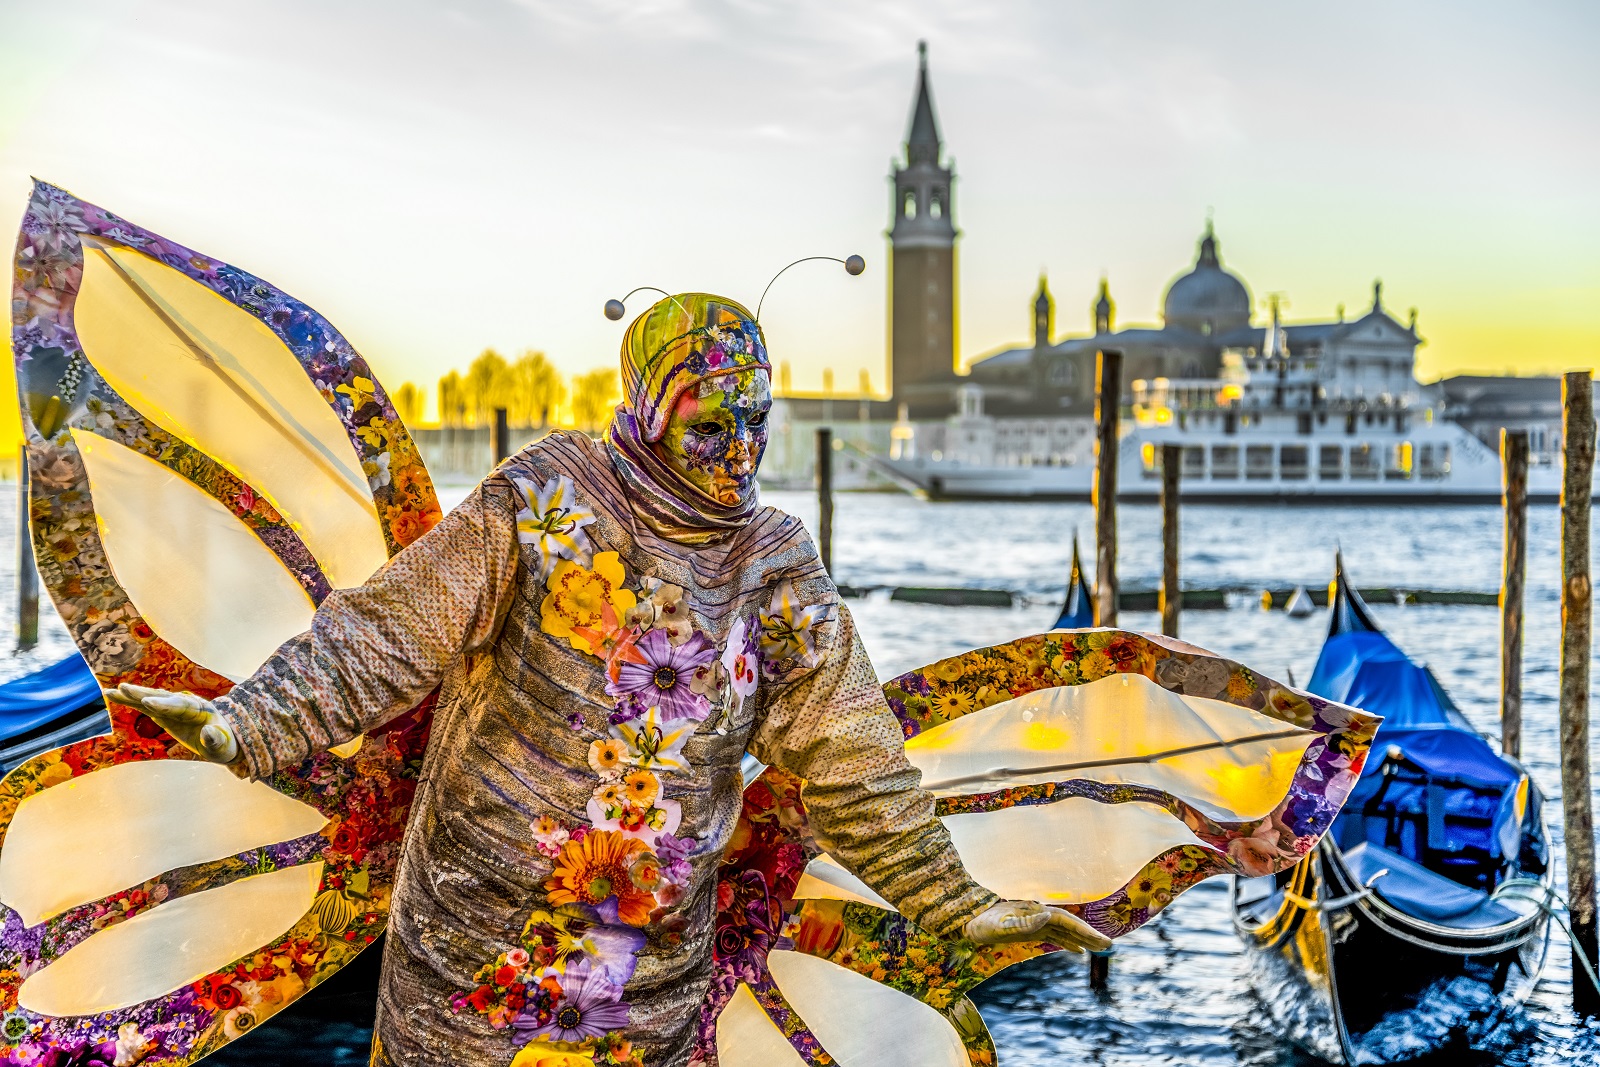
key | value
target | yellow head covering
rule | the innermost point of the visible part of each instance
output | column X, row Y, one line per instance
column 679, row 341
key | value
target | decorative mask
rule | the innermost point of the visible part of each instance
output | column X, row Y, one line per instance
column 716, row 433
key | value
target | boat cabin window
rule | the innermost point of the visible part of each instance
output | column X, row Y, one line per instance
column 1224, row 461
column 1433, row 461
column 1293, row 461
column 1330, row 462
column 1363, row 464
column 1194, row 462
column 1258, row 462
column 1399, row 465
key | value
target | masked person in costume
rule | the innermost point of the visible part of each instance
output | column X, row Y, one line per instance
column 612, row 627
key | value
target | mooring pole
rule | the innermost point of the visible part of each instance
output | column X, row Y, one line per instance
column 825, row 497
column 1099, row 970
column 1107, row 399
column 1514, row 467
column 27, row 574
column 1171, row 594
column 502, row 437
column 1577, row 624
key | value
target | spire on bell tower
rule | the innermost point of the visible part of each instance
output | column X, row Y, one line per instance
column 1104, row 309
column 922, row 236
column 1044, row 314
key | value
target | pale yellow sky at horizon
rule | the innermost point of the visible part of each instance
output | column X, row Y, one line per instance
column 442, row 177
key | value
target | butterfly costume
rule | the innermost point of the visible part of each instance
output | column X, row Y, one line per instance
column 516, row 735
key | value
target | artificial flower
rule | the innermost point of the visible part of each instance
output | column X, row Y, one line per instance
column 789, row 631
column 580, row 932
column 607, row 756
column 641, row 788
column 552, row 521
column 541, row 1053
column 652, row 744
column 663, row 679
column 591, row 1006
column 643, row 824
column 661, row 607
column 584, row 604
column 595, row 870
column 739, row 659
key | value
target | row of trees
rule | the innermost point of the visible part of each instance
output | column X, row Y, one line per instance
column 531, row 389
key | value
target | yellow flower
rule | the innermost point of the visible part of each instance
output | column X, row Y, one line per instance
column 541, row 1053
column 955, row 703
column 609, row 795
column 949, row 670
column 1095, row 665
column 606, row 756
column 1152, row 886
column 581, row 598
column 1240, row 684
column 360, row 390
column 641, row 788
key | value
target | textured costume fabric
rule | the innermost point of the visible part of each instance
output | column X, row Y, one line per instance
column 523, row 839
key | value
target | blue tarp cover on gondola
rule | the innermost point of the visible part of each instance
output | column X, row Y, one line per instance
column 1456, row 794
column 37, row 699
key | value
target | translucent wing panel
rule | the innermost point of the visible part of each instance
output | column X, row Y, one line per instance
column 172, row 946
column 1231, row 762
column 222, row 381
column 747, row 1038
column 860, row 1021
column 201, row 578
column 147, row 818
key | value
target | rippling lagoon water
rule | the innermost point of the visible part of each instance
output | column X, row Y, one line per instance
column 1178, row 993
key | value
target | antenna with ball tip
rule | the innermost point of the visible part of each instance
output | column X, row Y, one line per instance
column 615, row 309
column 852, row 266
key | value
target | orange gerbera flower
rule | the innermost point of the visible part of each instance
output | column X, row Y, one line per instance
column 595, row 869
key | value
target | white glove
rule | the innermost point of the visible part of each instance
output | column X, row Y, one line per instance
column 191, row 719
column 1029, row 920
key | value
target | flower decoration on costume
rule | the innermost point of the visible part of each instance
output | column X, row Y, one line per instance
column 739, row 659
column 664, row 677
column 661, row 607
column 650, row 743
column 590, row 1006
column 789, row 631
column 595, row 870
column 552, row 521
column 585, row 605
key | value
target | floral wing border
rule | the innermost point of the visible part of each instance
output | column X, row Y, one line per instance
column 366, row 797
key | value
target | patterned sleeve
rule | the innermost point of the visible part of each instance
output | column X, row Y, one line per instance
column 863, row 797
column 378, row 649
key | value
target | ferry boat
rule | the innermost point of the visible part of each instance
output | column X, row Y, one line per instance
column 1275, row 425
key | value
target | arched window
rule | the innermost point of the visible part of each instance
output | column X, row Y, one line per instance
column 936, row 208
column 910, row 211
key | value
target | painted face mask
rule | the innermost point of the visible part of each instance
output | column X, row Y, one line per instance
column 716, row 433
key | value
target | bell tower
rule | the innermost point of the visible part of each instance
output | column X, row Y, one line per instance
column 922, row 236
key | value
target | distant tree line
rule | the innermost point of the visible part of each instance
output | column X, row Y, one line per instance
column 533, row 392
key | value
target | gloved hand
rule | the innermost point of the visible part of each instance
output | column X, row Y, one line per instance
column 191, row 719
column 1029, row 920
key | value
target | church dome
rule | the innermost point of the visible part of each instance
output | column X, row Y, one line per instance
column 1208, row 299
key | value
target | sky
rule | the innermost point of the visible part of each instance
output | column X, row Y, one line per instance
column 440, row 177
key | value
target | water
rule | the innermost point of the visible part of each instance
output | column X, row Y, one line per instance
column 1178, row 992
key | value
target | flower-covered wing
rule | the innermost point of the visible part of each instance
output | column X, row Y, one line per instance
column 209, row 459
column 1101, row 771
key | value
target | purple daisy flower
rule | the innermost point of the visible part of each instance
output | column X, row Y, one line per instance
column 663, row 679
column 590, row 1006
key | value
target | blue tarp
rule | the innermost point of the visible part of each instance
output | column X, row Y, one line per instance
column 1465, row 796
column 37, row 699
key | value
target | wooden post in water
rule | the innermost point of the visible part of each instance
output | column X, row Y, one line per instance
column 825, row 497
column 1514, row 468
column 1171, row 594
column 27, row 574
column 1577, row 624
column 1107, row 401
column 502, row 437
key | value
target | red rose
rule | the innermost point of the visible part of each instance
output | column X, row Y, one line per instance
column 226, row 997
column 481, row 998
column 345, row 839
column 505, row 976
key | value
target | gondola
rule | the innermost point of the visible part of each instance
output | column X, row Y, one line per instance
column 53, row 706
column 1423, row 914
column 1077, row 611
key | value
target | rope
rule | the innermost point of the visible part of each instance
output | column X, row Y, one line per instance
column 1542, row 902
column 1338, row 902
